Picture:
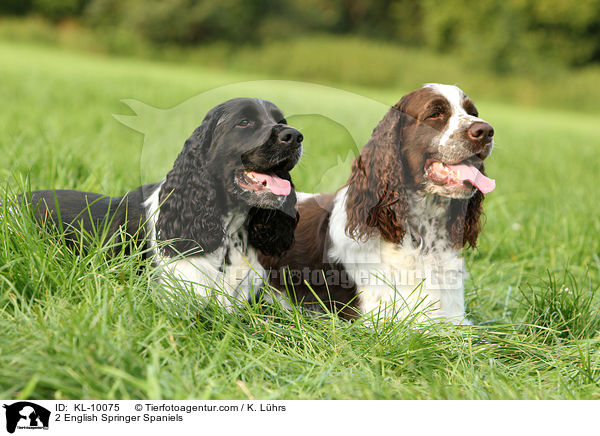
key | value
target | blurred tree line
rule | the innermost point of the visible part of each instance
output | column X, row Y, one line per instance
column 504, row 35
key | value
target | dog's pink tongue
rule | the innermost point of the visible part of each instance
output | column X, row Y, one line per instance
column 473, row 175
column 276, row 185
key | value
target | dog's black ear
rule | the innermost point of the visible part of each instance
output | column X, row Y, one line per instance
column 190, row 210
column 272, row 230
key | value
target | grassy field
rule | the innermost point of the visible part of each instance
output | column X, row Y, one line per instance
column 83, row 327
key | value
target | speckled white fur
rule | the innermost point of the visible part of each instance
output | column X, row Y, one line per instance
column 208, row 275
column 399, row 279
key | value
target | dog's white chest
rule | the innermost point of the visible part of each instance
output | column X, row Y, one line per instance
column 401, row 278
column 229, row 274
column 416, row 281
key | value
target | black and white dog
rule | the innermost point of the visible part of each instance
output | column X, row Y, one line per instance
column 228, row 195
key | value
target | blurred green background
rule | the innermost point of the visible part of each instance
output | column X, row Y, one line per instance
column 534, row 52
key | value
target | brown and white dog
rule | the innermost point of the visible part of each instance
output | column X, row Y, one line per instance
column 389, row 242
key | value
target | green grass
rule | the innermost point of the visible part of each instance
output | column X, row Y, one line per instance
column 87, row 327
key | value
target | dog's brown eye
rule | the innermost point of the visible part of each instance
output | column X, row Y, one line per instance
column 434, row 115
column 244, row 123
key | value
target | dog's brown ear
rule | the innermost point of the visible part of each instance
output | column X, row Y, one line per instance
column 464, row 220
column 376, row 199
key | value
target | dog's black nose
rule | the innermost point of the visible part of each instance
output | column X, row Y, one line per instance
column 481, row 131
column 290, row 136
